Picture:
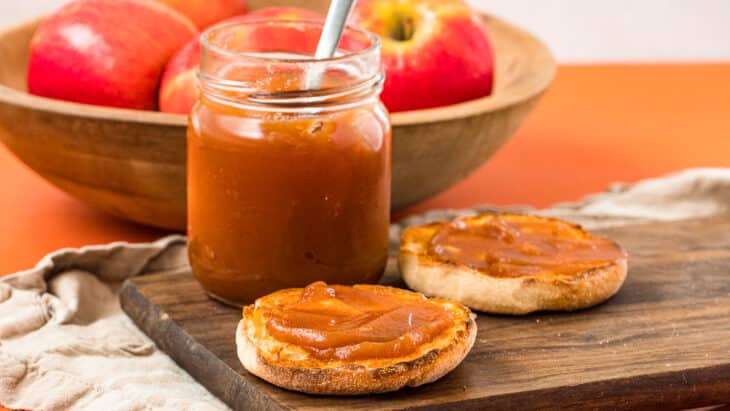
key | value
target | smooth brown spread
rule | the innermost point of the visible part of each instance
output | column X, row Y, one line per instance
column 516, row 246
column 280, row 200
column 334, row 322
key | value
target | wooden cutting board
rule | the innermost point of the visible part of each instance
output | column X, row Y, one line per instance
column 662, row 342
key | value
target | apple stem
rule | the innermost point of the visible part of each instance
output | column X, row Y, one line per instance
column 403, row 31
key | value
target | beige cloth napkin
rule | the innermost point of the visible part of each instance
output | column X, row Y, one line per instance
column 66, row 344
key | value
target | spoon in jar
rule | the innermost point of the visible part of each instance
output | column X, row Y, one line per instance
column 334, row 25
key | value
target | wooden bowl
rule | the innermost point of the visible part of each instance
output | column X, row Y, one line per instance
column 132, row 163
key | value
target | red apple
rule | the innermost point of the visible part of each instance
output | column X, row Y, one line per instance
column 178, row 90
column 206, row 12
column 106, row 52
column 435, row 53
column 280, row 13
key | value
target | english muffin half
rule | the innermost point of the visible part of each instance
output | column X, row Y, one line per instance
column 512, row 263
column 338, row 340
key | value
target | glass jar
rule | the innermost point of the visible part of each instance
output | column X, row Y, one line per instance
column 287, row 183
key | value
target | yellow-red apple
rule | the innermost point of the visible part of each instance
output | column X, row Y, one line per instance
column 206, row 12
column 435, row 52
column 106, row 52
column 178, row 90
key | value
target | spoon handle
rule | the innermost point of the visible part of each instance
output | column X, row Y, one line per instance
column 334, row 25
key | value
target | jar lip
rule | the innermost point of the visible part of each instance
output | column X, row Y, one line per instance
column 205, row 42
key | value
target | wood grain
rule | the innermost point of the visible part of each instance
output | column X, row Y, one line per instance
column 663, row 342
column 132, row 163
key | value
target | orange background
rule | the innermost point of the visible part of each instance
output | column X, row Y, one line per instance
column 596, row 125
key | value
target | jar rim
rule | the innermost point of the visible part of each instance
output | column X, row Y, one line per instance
column 206, row 43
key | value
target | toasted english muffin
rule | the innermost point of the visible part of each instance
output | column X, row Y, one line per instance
column 491, row 287
column 293, row 367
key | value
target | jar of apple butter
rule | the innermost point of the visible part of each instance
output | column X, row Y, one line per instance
column 288, row 183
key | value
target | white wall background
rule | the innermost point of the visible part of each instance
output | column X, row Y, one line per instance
column 577, row 30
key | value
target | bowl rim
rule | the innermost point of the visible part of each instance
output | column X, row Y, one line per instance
column 451, row 112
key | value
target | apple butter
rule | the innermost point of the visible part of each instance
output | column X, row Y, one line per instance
column 516, row 246
column 286, row 185
column 335, row 322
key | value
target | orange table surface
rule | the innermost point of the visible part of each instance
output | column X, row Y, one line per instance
column 596, row 125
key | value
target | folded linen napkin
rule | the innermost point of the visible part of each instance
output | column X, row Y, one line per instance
column 65, row 343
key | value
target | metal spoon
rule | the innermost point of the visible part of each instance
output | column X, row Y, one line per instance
column 334, row 25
